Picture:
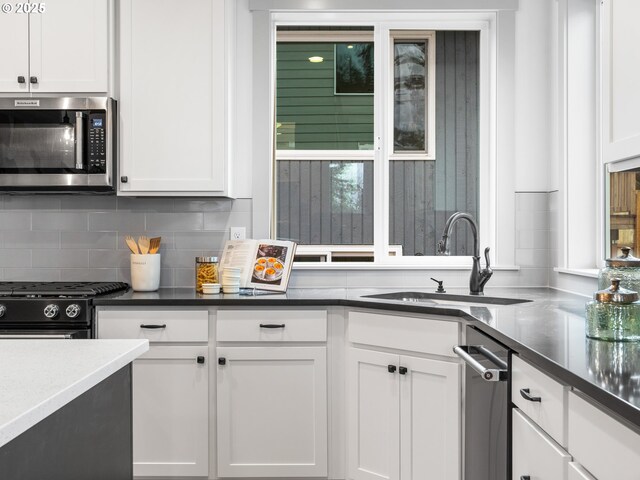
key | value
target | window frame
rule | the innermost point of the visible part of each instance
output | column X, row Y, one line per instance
column 483, row 21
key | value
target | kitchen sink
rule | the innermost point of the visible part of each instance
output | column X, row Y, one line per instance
column 445, row 298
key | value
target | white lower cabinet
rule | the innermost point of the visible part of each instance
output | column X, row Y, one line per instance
column 535, row 454
column 170, row 412
column 170, row 389
column 404, row 417
column 272, row 411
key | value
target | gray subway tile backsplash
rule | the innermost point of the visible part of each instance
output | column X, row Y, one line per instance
column 59, row 221
column 15, row 221
column 175, row 221
column 116, row 221
column 81, row 237
column 29, row 239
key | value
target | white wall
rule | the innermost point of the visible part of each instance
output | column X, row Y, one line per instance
column 533, row 94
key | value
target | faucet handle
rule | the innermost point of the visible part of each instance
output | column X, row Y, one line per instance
column 487, row 259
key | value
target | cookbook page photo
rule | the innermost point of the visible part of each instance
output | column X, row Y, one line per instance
column 272, row 265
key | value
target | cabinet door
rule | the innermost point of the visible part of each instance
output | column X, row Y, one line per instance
column 14, row 52
column 172, row 103
column 430, row 419
column 373, row 409
column 535, row 454
column 272, row 411
column 620, row 78
column 69, row 47
column 170, row 412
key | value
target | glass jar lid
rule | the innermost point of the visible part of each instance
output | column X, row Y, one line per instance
column 616, row 294
column 207, row 259
column 624, row 260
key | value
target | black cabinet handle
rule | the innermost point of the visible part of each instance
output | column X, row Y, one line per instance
column 402, row 370
column 33, row 79
column 391, row 368
column 153, row 327
column 124, row 179
column 21, row 79
column 222, row 361
column 525, row 477
column 272, row 325
column 200, row 359
column 527, row 395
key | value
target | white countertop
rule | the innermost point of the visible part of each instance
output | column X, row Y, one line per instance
column 37, row 377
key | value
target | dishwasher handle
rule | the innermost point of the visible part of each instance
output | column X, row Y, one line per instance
column 489, row 374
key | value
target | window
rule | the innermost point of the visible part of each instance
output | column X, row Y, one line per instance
column 337, row 91
column 624, row 203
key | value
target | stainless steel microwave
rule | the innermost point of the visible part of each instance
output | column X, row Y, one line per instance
column 64, row 144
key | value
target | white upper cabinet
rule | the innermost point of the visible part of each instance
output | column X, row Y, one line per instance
column 620, row 76
column 172, row 103
column 14, row 52
column 63, row 49
column 69, row 47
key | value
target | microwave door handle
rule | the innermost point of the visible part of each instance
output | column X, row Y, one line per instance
column 79, row 145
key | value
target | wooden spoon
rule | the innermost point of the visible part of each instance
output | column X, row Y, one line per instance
column 131, row 243
column 155, row 244
column 143, row 242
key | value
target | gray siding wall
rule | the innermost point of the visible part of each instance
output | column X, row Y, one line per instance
column 313, row 207
column 81, row 237
column 424, row 193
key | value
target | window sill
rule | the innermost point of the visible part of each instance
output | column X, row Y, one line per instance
column 378, row 266
column 581, row 272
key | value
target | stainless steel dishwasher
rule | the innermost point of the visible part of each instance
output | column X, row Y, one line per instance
column 486, row 407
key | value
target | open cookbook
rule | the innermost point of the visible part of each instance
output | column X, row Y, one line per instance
column 264, row 264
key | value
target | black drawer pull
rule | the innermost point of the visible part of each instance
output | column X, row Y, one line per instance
column 525, row 477
column 222, row 361
column 391, row 368
column 200, row 359
column 153, row 327
column 21, row 79
column 402, row 370
column 527, row 395
column 272, row 325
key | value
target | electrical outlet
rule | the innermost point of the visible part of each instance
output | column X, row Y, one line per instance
column 238, row 233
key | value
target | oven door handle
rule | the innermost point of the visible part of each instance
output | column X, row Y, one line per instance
column 489, row 374
column 27, row 336
column 79, row 143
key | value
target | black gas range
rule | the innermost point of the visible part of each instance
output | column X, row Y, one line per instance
column 51, row 309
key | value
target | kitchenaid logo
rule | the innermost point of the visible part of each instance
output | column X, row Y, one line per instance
column 27, row 103
column 138, row 262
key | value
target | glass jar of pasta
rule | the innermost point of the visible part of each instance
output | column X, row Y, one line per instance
column 206, row 271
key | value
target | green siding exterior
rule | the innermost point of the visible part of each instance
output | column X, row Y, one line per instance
column 309, row 115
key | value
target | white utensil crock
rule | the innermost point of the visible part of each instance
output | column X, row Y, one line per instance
column 145, row 272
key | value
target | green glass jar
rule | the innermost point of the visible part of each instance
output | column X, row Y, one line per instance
column 614, row 314
column 626, row 267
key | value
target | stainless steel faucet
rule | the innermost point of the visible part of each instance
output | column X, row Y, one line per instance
column 479, row 276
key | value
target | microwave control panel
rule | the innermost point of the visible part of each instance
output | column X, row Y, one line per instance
column 97, row 142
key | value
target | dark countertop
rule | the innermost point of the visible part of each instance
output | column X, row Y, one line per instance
column 549, row 331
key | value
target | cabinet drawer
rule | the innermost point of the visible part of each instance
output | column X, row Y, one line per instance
column 608, row 449
column 549, row 412
column 271, row 326
column 413, row 334
column 170, row 326
column 535, row 454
